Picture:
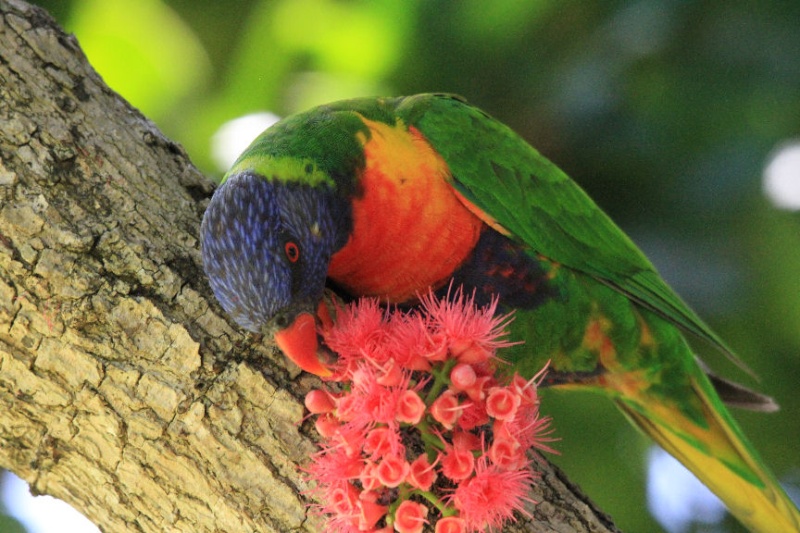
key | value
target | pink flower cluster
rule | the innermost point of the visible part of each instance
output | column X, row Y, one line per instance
column 423, row 431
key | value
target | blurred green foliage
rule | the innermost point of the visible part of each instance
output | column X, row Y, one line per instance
column 666, row 111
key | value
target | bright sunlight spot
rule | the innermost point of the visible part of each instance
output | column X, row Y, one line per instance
column 782, row 177
column 675, row 497
column 41, row 514
column 234, row 136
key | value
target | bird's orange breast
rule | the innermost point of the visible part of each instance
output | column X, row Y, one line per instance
column 410, row 229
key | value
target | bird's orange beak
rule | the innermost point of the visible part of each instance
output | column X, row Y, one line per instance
column 299, row 343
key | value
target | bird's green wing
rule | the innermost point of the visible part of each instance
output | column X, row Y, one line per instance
column 538, row 204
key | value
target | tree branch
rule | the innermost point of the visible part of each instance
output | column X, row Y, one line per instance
column 124, row 390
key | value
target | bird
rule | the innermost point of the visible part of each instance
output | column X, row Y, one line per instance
column 390, row 197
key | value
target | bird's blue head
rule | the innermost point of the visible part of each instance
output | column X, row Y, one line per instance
column 266, row 245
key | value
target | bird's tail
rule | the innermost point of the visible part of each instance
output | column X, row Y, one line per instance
column 714, row 448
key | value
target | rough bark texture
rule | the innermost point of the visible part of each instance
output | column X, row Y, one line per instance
column 123, row 388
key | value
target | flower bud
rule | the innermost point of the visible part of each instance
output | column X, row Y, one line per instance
column 319, row 401
column 326, row 426
column 462, row 376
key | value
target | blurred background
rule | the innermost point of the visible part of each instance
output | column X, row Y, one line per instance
column 680, row 118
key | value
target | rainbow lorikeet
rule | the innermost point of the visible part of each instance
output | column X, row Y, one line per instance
column 390, row 197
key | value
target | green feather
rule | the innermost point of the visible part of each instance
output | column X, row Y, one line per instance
column 542, row 207
column 318, row 147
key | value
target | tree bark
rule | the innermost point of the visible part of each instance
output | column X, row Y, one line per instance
column 124, row 389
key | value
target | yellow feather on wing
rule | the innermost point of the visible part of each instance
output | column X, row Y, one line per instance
column 719, row 457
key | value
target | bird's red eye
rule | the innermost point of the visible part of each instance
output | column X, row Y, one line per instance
column 292, row 251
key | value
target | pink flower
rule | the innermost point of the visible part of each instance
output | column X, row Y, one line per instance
column 412, row 345
column 533, row 431
column 491, row 496
column 457, row 463
column 410, row 517
column 410, row 407
column 359, row 332
column 445, row 409
column 382, row 440
column 369, row 480
column 470, row 352
column 347, row 407
column 392, row 470
column 326, row 426
column 473, row 333
column 451, row 524
column 333, row 465
column 422, row 473
column 466, row 440
column 527, row 388
column 473, row 415
column 436, row 350
column 391, row 364
column 527, row 426
column 369, row 511
column 343, row 524
column 391, row 375
column 502, row 403
column 348, row 439
column 342, row 499
column 477, row 391
column 506, row 453
column 372, row 402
